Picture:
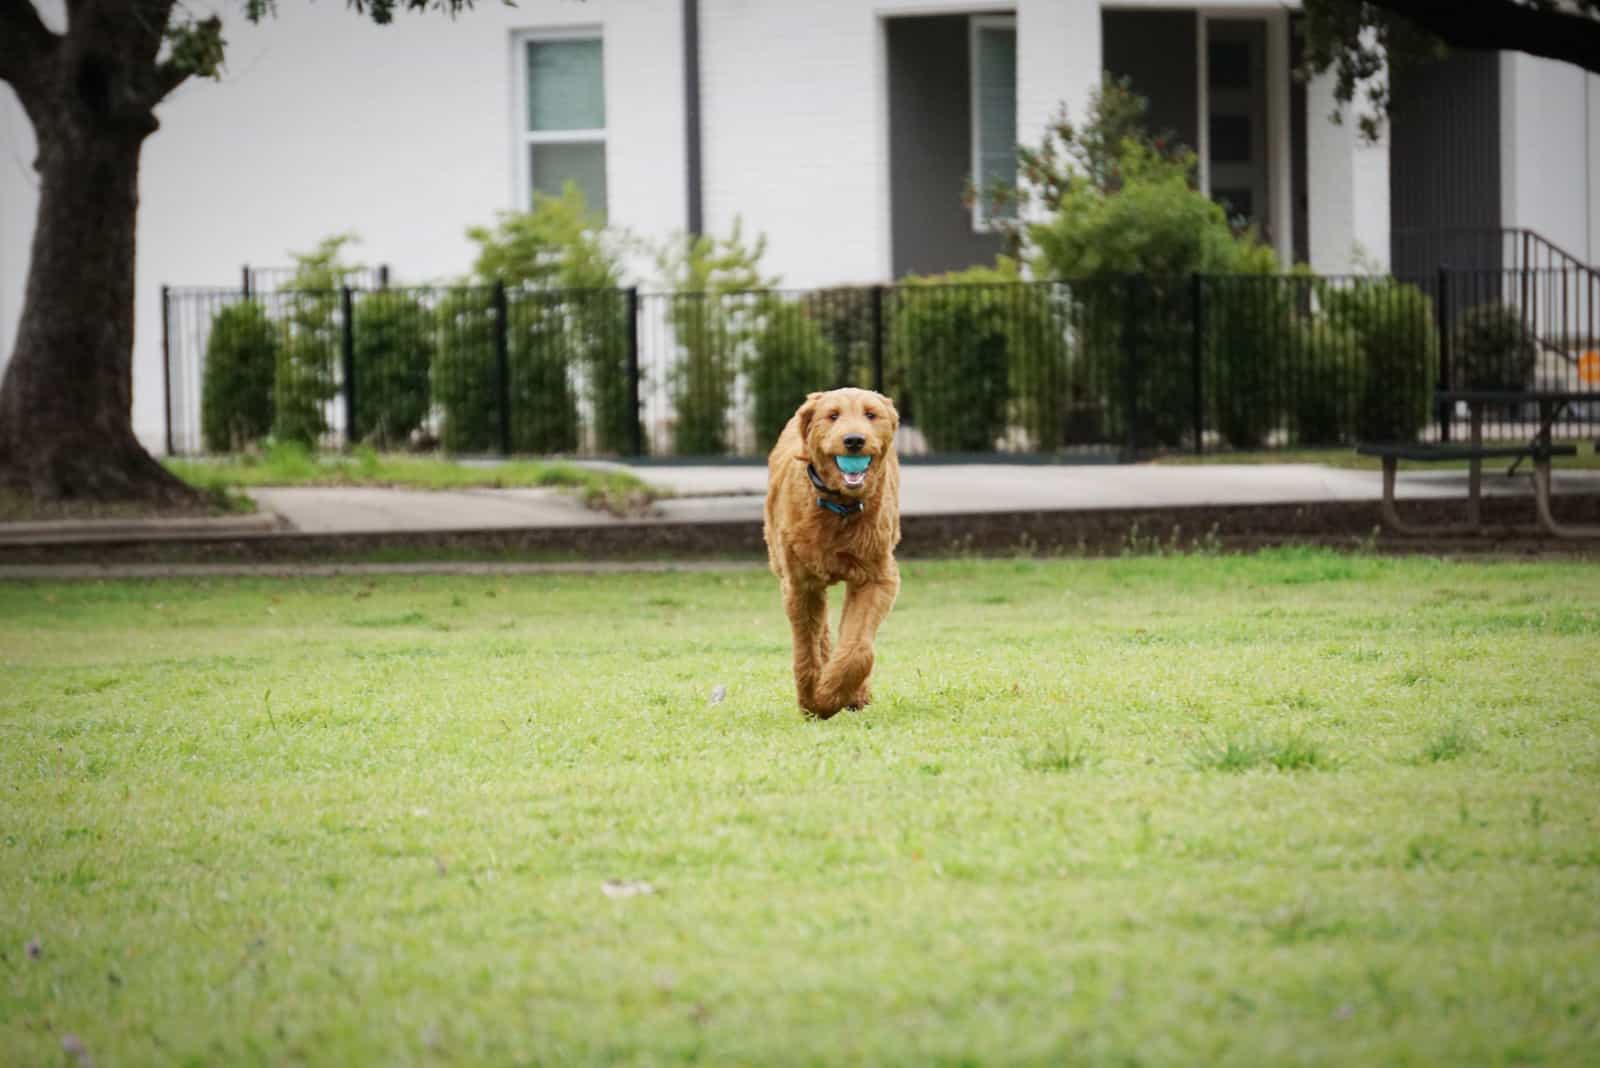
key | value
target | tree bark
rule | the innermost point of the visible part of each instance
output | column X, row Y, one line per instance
column 66, row 403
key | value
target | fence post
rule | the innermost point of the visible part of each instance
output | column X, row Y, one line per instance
column 1197, row 346
column 347, row 360
column 636, row 428
column 1132, row 290
column 244, row 280
column 383, row 276
column 877, row 338
column 502, row 364
column 1442, row 410
column 166, row 361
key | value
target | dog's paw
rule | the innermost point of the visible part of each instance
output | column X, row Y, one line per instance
column 860, row 699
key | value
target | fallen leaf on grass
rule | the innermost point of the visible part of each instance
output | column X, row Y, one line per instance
column 618, row 888
column 35, row 950
column 73, row 1047
column 718, row 694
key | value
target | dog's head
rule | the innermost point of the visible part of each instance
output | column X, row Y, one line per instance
column 848, row 435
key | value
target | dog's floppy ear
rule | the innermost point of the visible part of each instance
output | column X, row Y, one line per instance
column 807, row 412
column 890, row 410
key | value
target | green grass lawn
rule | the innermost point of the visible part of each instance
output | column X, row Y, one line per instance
column 608, row 489
column 1292, row 809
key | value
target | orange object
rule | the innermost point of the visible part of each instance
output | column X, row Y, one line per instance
column 1589, row 368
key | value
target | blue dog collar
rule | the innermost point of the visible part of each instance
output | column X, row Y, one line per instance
column 843, row 511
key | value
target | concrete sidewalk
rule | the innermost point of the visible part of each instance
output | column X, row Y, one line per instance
column 732, row 493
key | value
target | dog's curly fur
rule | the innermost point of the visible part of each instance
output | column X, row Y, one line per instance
column 812, row 547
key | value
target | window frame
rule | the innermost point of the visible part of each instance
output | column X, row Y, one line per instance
column 526, row 140
column 976, row 24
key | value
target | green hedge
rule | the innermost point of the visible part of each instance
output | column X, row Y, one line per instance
column 791, row 358
column 543, row 409
column 393, row 352
column 1492, row 348
column 236, row 393
column 1394, row 329
column 950, row 352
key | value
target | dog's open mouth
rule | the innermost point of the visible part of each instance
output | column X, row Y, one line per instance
column 854, row 469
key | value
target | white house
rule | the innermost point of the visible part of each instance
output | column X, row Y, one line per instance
column 842, row 129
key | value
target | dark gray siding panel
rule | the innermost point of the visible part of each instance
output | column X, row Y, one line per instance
column 1444, row 163
column 930, row 147
column 1156, row 50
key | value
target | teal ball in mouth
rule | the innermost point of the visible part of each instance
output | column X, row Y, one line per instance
column 853, row 465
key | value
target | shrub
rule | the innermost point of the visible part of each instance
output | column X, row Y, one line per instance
column 950, row 354
column 543, row 406
column 559, row 247
column 393, row 351
column 790, row 358
column 1326, row 358
column 1395, row 335
column 844, row 316
column 1123, row 212
column 307, row 376
column 236, row 394
column 710, row 313
column 1493, row 349
column 1248, row 321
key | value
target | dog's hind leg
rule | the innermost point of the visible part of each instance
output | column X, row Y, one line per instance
column 844, row 680
column 807, row 608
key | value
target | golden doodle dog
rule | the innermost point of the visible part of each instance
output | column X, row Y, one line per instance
column 833, row 515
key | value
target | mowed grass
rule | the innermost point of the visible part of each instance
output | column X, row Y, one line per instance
column 1290, row 809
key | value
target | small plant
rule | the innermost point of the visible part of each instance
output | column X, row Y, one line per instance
column 1063, row 754
column 1493, row 349
column 236, row 407
column 1453, row 742
column 1291, row 753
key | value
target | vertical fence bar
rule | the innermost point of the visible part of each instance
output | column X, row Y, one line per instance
column 166, row 362
column 347, row 360
column 1442, row 308
column 877, row 339
column 1197, row 343
column 244, row 280
column 502, row 366
column 636, row 426
column 1130, row 370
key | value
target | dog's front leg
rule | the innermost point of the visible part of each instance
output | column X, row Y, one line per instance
column 844, row 680
column 807, row 608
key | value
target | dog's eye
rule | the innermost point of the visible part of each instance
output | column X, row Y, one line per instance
column 834, row 417
column 871, row 416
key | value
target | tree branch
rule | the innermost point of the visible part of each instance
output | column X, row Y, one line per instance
column 26, row 48
column 1505, row 25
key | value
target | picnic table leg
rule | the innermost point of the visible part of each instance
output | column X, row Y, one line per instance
column 1541, row 496
column 1391, row 515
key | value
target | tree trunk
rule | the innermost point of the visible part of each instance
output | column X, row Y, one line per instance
column 66, row 404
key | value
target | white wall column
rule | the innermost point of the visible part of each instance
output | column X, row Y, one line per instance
column 1058, row 62
column 1348, row 187
column 1280, row 136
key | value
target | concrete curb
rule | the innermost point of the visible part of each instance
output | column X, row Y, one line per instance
column 176, row 528
column 1080, row 531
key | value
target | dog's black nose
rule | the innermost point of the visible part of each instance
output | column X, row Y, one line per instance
column 855, row 442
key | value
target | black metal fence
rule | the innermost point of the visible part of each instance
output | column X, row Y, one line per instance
column 1112, row 367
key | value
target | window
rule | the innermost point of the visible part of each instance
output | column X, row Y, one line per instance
column 562, row 127
column 994, row 115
